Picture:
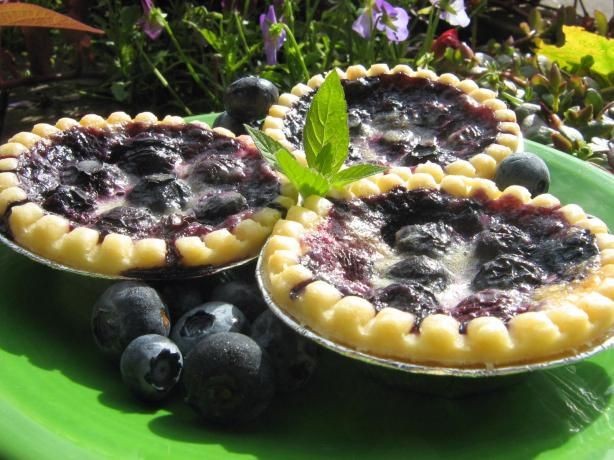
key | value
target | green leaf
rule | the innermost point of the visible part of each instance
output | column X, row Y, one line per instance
column 327, row 123
column 593, row 98
column 601, row 23
column 579, row 43
column 307, row 181
column 324, row 161
column 267, row 146
column 353, row 173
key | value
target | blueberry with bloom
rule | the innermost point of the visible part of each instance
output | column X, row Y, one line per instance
column 273, row 35
column 149, row 22
column 453, row 12
column 381, row 15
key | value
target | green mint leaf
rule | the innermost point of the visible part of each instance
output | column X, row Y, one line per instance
column 353, row 173
column 326, row 123
column 267, row 146
column 306, row 180
column 324, row 161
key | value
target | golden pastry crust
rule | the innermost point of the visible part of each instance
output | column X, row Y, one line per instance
column 482, row 164
column 54, row 237
column 571, row 317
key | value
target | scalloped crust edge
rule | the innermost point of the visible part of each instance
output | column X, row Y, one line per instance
column 484, row 164
column 50, row 235
column 567, row 322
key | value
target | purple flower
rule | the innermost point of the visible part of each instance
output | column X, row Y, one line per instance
column 452, row 11
column 384, row 17
column 150, row 22
column 273, row 35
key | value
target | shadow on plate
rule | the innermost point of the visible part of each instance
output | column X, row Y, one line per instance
column 46, row 319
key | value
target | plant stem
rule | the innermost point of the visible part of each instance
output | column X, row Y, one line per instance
column 430, row 31
column 187, row 61
column 297, row 49
column 163, row 80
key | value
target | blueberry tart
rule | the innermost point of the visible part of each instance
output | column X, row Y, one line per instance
column 445, row 270
column 138, row 197
column 402, row 117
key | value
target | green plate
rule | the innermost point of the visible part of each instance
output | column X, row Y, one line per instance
column 59, row 398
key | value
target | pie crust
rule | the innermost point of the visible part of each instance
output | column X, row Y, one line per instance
column 570, row 316
column 57, row 238
column 481, row 164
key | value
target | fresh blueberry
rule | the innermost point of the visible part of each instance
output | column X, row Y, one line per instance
column 151, row 366
column 422, row 270
column 249, row 98
column 430, row 239
column 508, row 271
column 523, row 169
column 225, row 120
column 206, row 319
column 160, row 193
column 125, row 311
column 180, row 296
column 228, row 378
column 214, row 209
column 294, row 358
column 246, row 296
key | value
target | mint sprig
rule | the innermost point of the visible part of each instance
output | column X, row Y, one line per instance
column 326, row 138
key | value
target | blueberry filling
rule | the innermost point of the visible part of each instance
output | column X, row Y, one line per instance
column 424, row 252
column 144, row 181
column 402, row 120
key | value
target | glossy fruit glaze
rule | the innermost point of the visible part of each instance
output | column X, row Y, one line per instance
column 425, row 252
column 401, row 120
column 163, row 181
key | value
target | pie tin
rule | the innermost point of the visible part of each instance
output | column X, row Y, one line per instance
column 149, row 275
column 381, row 365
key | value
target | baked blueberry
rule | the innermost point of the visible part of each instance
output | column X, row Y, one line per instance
column 423, row 270
column 430, row 239
column 249, row 98
column 509, row 271
column 151, row 366
column 410, row 296
column 217, row 170
column 96, row 177
column 565, row 253
column 294, row 358
column 206, row 319
column 147, row 153
column 213, row 209
column 70, row 201
column 160, row 192
column 501, row 238
column 228, row 378
column 524, row 169
column 127, row 220
column 489, row 302
column 125, row 311
column 245, row 296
